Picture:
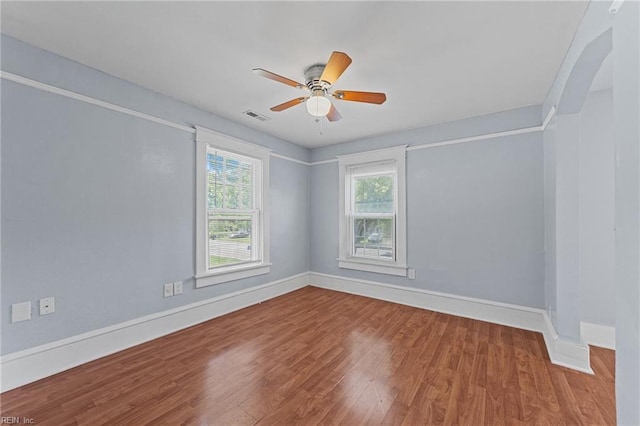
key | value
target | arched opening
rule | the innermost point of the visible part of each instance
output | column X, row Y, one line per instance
column 570, row 200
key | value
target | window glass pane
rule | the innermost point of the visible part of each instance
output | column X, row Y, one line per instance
column 246, row 177
column 231, row 197
column 215, row 165
column 246, row 197
column 373, row 237
column 230, row 239
column 229, row 187
column 373, row 194
column 232, row 171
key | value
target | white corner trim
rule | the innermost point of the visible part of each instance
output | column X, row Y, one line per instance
column 565, row 352
column 603, row 336
column 547, row 119
column 29, row 365
column 561, row 352
column 615, row 6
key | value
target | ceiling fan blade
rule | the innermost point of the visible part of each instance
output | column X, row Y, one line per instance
column 368, row 97
column 288, row 104
column 278, row 78
column 333, row 114
column 338, row 62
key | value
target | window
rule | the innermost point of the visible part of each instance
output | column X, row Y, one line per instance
column 372, row 222
column 232, row 224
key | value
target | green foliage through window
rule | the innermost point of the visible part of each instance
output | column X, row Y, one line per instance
column 230, row 204
column 373, row 194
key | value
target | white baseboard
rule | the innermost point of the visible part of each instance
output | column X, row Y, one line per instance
column 565, row 352
column 602, row 336
column 561, row 351
column 20, row 368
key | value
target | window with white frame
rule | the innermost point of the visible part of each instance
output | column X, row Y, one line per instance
column 231, row 221
column 373, row 211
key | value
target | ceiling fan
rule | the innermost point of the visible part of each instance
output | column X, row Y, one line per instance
column 319, row 79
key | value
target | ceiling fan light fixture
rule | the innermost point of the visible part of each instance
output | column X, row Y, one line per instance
column 319, row 79
column 318, row 105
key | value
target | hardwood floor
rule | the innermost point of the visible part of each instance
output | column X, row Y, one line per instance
column 320, row 357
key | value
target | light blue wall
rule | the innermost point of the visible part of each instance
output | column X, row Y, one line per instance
column 562, row 144
column 475, row 212
column 549, row 171
column 36, row 64
column 482, row 125
column 567, row 147
column 98, row 207
column 597, row 210
column 626, row 107
column 625, row 25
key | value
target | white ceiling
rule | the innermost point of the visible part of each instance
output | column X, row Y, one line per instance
column 436, row 61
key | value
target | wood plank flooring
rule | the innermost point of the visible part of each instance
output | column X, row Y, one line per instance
column 321, row 357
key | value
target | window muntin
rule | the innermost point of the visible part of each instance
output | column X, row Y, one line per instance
column 372, row 205
column 373, row 212
column 232, row 221
column 373, row 237
column 232, row 214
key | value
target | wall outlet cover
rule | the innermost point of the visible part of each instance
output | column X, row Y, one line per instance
column 168, row 290
column 177, row 287
column 20, row 311
column 47, row 305
column 411, row 274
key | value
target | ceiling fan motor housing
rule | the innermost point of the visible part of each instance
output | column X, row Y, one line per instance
column 312, row 78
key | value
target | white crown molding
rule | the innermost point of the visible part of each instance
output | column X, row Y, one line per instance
column 113, row 107
column 93, row 101
column 29, row 365
column 73, row 95
column 574, row 355
column 476, row 138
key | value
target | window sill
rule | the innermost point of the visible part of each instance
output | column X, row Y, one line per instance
column 377, row 267
column 223, row 276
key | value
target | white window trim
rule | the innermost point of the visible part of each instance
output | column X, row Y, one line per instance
column 205, row 277
column 345, row 260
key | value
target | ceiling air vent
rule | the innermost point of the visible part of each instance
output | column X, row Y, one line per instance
column 255, row 115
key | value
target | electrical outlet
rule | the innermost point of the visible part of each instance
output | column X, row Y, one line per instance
column 168, row 290
column 412, row 273
column 47, row 305
column 20, row 311
column 177, row 288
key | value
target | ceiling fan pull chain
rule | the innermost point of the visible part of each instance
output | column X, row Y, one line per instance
column 319, row 121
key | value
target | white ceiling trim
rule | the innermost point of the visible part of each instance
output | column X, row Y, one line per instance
column 108, row 105
column 87, row 99
column 93, row 101
column 521, row 131
column 437, row 61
